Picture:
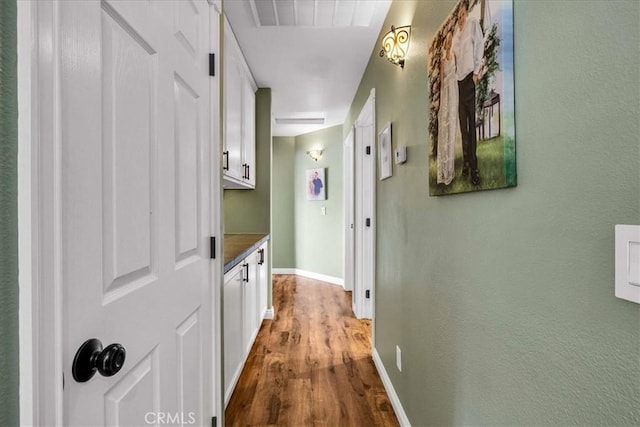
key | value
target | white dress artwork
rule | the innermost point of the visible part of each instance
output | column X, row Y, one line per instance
column 447, row 123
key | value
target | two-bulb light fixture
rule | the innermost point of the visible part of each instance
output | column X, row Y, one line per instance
column 395, row 45
column 315, row 154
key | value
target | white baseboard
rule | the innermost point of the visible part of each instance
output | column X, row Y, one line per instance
column 391, row 392
column 309, row 274
column 283, row 271
column 270, row 313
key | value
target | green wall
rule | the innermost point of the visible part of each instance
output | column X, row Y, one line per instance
column 283, row 212
column 249, row 211
column 503, row 301
column 318, row 238
column 9, row 361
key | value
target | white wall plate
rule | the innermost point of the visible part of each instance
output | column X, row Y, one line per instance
column 627, row 262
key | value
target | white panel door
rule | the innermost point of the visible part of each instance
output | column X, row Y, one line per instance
column 135, row 165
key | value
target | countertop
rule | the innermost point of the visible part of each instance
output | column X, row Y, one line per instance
column 239, row 246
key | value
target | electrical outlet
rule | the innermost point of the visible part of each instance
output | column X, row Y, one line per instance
column 323, row 210
column 399, row 358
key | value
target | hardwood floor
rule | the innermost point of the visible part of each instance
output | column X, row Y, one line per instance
column 311, row 365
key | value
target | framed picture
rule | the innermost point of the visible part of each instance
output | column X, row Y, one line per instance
column 471, row 120
column 384, row 152
column 315, row 184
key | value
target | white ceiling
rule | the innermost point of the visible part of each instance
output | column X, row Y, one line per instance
column 311, row 53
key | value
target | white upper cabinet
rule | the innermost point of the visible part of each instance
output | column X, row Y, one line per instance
column 239, row 117
column 249, row 131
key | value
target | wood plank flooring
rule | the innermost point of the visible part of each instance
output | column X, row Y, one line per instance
column 311, row 365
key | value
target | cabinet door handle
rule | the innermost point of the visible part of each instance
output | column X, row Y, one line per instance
column 225, row 154
column 246, row 275
column 244, row 171
column 261, row 257
column 248, row 171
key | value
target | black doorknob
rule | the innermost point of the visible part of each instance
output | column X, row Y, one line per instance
column 91, row 357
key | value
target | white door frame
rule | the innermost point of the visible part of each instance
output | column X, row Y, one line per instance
column 349, row 220
column 217, row 267
column 39, row 224
column 365, row 207
column 41, row 332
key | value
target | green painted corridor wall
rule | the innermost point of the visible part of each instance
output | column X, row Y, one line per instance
column 9, row 362
column 283, row 210
column 503, row 301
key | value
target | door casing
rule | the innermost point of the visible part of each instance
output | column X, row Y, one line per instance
column 364, row 202
column 349, row 214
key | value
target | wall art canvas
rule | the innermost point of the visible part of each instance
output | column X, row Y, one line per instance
column 315, row 184
column 472, row 144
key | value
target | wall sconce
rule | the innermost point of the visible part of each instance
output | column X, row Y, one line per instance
column 315, row 154
column 395, row 45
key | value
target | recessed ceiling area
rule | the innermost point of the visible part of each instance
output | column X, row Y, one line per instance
column 313, row 13
column 311, row 53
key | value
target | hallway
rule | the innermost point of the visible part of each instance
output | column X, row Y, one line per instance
column 311, row 364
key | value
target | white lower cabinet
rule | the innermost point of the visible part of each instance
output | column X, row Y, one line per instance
column 250, row 295
column 245, row 303
column 233, row 346
column 263, row 280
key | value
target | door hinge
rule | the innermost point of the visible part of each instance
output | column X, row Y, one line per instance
column 368, row 149
column 367, row 222
column 214, row 421
column 212, row 243
column 212, row 64
column 367, row 294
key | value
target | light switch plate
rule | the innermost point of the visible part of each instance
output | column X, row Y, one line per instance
column 401, row 155
column 627, row 254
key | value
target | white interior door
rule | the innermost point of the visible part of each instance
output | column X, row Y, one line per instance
column 365, row 210
column 135, row 164
column 349, row 212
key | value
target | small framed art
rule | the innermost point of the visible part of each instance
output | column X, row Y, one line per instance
column 384, row 152
column 315, row 184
